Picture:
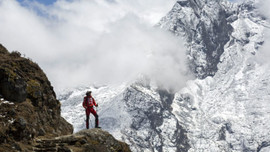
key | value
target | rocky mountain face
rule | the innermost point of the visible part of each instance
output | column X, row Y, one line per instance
column 29, row 107
column 134, row 113
column 229, row 111
column 226, row 109
column 206, row 27
column 30, row 112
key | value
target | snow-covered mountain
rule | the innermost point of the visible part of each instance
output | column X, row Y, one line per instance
column 135, row 113
column 227, row 109
column 205, row 25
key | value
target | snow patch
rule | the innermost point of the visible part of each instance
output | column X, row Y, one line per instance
column 3, row 101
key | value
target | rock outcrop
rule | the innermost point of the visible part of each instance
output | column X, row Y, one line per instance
column 84, row 141
column 30, row 111
column 29, row 107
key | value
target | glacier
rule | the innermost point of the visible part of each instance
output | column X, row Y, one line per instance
column 226, row 108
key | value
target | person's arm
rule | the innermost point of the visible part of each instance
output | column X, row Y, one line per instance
column 95, row 102
column 84, row 105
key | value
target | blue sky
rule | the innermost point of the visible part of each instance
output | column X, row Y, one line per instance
column 74, row 35
column 80, row 42
column 46, row 2
column 49, row 2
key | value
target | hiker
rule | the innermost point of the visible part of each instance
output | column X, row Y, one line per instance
column 88, row 103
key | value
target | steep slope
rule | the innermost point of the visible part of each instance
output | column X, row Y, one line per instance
column 139, row 115
column 30, row 117
column 204, row 25
column 29, row 107
column 230, row 111
column 226, row 109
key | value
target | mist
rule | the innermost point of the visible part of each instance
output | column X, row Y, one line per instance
column 263, row 54
column 95, row 42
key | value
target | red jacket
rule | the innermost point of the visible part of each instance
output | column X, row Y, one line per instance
column 89, row 102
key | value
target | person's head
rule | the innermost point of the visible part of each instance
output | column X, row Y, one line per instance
column 88, row 93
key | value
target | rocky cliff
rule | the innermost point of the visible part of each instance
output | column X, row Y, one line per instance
column 226, row 111
column 206, row 27
column 29, row 107
column 30, row 113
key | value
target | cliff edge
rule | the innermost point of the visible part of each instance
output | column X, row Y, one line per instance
column 30, row 113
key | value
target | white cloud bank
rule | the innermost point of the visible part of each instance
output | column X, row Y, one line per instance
column 99, row 41
column 263, row 54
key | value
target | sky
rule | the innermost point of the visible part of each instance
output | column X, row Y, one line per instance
column 98, row 42
column 86, row 42
column 50, row 2
column 236, row 1
column 45, row 2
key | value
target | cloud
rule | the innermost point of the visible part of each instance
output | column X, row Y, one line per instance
column 237, row 1
column 264, row 52
column 264, row 7
column 98, row 41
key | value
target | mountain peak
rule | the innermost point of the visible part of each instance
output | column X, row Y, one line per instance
column 206, row 29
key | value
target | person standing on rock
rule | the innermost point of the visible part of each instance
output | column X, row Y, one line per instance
column 88, row 104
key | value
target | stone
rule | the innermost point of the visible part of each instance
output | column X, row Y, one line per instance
column 33, row 109
column 91, row 140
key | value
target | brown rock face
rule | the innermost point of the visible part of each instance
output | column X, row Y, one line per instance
column 30, row 114
column 28, row 106
column 94, row 140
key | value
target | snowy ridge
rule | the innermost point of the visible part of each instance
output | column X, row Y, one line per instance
column 104, row 96
column 228, row 110
column 204, row 25
column 132, row 113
